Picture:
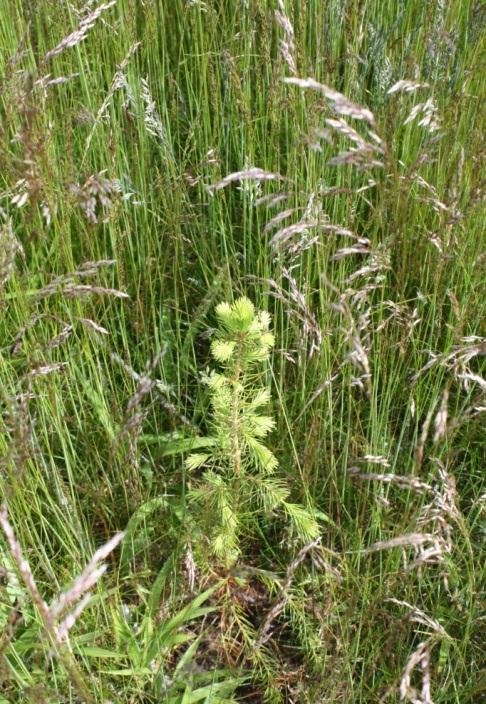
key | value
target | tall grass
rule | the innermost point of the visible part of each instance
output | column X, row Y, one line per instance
column 121, row 228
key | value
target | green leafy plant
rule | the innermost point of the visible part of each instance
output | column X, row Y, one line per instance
column 239, row 479
column 148, row 651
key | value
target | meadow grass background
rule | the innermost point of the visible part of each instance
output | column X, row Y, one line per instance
column 114, row 252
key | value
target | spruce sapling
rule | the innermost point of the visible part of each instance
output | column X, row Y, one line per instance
column 239, row 480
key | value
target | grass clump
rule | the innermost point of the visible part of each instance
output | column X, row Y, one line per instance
column 328, row 159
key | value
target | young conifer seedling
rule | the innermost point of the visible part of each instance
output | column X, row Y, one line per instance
column 239, row 481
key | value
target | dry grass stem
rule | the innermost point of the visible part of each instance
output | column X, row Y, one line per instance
column 264, row 633
column 10, row 247
column 441, row 418
column 287, row 45
column 24, row 567
column 341, row 104
column 297, row 307
column 286, row 233
column 272, row 199
column 252, row 174
column 427, row 112
column 403, row 541
column 119, row 82
column 420, row 656
column 86, row 580
column 402, row 482
column 81, row 32
column 278, row 219
column 405, row 86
